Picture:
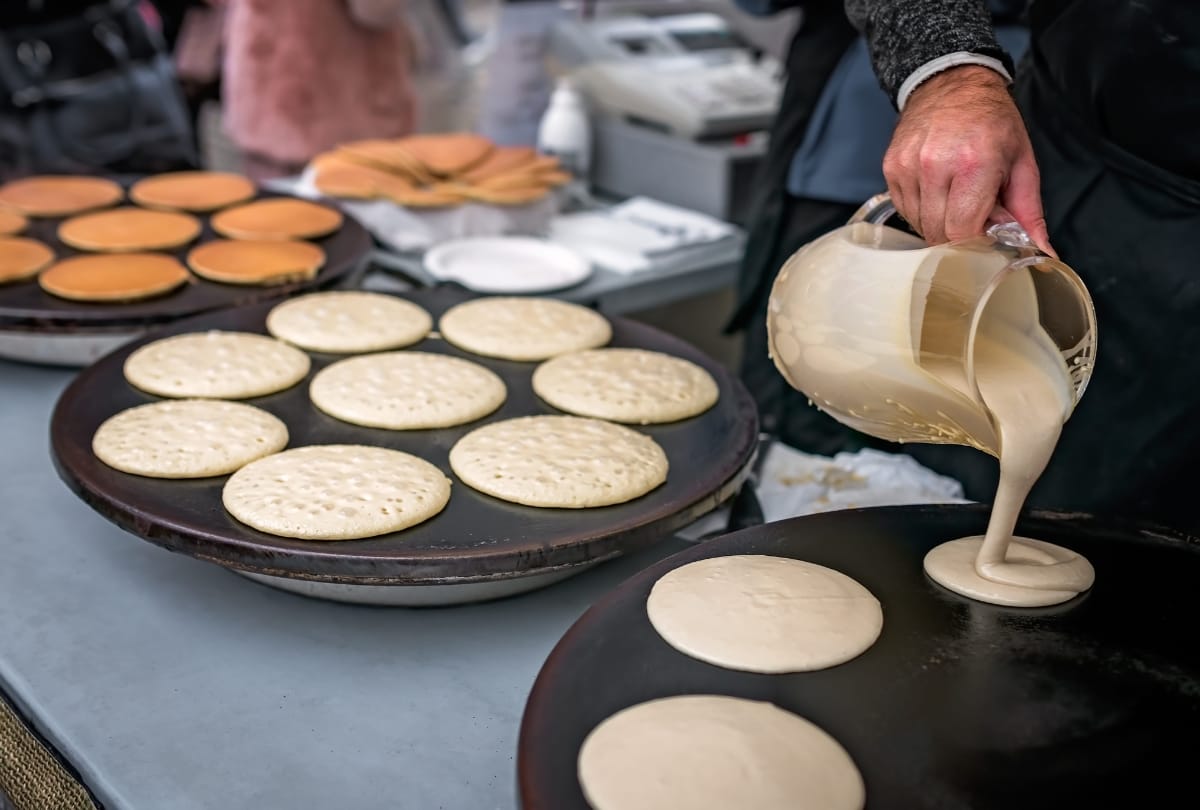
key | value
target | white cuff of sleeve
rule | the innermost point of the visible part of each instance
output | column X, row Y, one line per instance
column 936, row 66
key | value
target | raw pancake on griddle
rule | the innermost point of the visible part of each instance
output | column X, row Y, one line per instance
column 336, row 492
column 559, row 461
column 188, row 438
column 625, row 385
column 713, row 752
column 523, row 328
column 759, row 613
column 343, row 322
column 407, row 390
column 216, row 365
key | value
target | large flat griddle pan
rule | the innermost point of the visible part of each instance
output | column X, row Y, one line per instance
column 477, row 539
column 1094, row 703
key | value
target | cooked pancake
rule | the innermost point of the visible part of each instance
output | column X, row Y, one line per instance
column 448, row 154
column 502, row 160
column 59, row 195
column 192, row 191
column 387, row 155
column 128, row 230
column 125, row 277
column 22, row 258
column 12, row 221
column 277, row 218
column 262, row 262
column 216, row 365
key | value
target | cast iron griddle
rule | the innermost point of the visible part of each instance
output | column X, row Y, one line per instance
column 475, row 539
column 1095, row 703
column 26, row 307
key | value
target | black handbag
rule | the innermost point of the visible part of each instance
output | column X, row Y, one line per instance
column 91, row 93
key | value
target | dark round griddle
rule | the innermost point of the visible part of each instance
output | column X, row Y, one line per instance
column 1094, row 703
column 24, row 306
column 477, row 538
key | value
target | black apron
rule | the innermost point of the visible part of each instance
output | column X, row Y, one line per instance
column 781, row 224
column 1119, row 152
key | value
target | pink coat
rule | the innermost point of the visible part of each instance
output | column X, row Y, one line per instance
column 301, row 76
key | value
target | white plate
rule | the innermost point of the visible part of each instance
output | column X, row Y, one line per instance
column 507, row 264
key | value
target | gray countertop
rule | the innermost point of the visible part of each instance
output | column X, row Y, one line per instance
column 173, row 684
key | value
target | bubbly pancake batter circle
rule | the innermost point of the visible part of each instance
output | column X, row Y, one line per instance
column 514, row 328
column 336, row 492
column 407, row 390
column 625, row 385
column 188, row 438
column 711, row 752
column 343, row 322
column 759, row 613
column 216, row 365
column 559, row 461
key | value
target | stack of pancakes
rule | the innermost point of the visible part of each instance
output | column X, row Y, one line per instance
column 437, row 171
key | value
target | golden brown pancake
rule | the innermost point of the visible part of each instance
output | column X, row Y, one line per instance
column 277, row 218
column 386, row 155
column 22, row 258
column 545, row 163
column 555, row 177
column 192, row 191
column 507, row 196
column 111, row 277
column 502, row 160
column 516, row 180
column 339, row 176
column 449, row 154
column 60, row 195
column 264, row 262
column 435, row 196
column 128, row 230
column 12, row 221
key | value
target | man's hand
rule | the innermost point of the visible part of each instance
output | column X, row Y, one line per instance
column 959, row 149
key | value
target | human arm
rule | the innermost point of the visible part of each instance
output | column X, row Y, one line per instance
column 960, row 148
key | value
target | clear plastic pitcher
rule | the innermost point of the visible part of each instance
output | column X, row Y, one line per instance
column 878, row 328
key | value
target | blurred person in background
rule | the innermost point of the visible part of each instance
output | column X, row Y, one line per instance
column 88, row 86
column 301, row 77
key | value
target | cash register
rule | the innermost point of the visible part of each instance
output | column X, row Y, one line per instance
column 680, row 105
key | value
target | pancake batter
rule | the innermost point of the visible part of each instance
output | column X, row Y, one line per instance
column 1025, row 383
column 710, row 752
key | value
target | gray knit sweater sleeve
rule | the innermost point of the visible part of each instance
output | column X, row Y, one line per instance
column 905, row 34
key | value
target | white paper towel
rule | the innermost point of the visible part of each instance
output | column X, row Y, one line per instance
column 795, row 483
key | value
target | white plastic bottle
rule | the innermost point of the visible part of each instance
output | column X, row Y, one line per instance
column 565, row 131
